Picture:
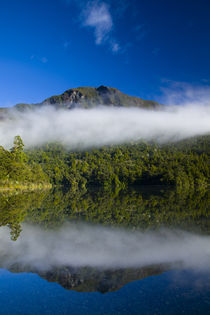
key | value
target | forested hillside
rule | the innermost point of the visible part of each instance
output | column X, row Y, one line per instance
column 184, row 165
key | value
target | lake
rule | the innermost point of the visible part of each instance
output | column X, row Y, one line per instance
column 141, row 251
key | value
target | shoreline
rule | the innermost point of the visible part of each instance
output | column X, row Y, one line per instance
column 30, row 187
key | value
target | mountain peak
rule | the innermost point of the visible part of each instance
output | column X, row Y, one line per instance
column 90, row 97
column 103, row 89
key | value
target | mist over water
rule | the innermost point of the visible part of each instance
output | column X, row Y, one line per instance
column 84, row 128
column 97, row 246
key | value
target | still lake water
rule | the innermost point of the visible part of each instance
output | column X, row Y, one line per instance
column 144, row 251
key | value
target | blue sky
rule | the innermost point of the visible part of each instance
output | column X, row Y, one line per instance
column 137, row 46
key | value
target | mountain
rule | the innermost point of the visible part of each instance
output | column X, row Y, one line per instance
column 89, row 97
column 89, row 279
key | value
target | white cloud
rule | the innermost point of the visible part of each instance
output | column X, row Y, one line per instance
column 87, row 128
column 115, row 47
column 179, row 93
column 98, row 17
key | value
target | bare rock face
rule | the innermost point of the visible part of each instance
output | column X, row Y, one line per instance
column 70, row 98
column 74, row 98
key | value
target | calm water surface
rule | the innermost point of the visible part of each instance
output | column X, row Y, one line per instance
column 143, row 251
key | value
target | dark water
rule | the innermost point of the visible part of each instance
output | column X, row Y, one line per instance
column 174, row 292
column 144, row 251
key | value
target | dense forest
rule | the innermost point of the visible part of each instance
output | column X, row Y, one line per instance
column 184, row 165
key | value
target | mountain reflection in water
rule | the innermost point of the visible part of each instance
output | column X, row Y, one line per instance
column 153, row 214
column 87, row 279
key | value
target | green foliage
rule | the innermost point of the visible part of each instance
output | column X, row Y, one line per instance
column 183, row 165
column 144, row 208
column 16, row 171
column 14, row 207
column 126, row 165
column 18, row 145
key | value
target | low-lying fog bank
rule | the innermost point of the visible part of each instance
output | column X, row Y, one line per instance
column 97, row 246
column 104, row 125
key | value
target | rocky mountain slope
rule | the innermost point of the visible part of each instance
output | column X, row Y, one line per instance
column 89, row 97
